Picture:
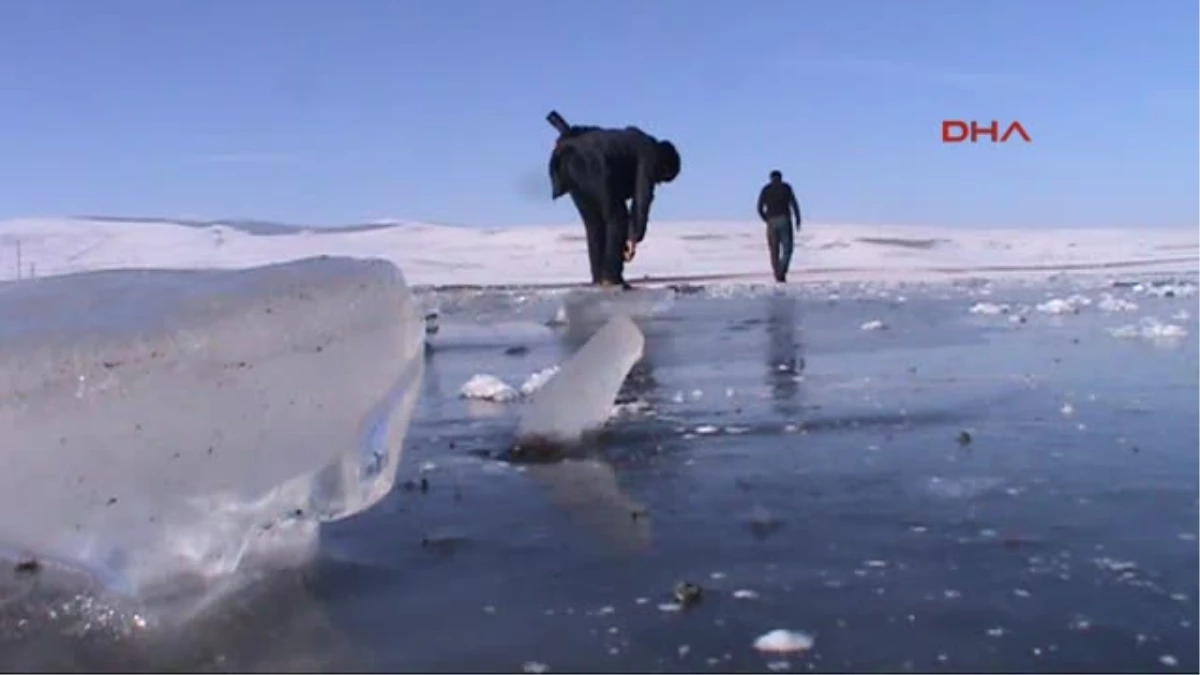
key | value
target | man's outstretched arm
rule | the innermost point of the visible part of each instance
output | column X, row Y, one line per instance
column 643, row 196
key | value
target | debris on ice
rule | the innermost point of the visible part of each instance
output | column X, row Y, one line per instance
column 874, row 324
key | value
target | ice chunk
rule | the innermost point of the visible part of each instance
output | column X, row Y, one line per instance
column 874, row 324
column 487, row 388
column 159, row 423
column 581, row 395
column 783, row 641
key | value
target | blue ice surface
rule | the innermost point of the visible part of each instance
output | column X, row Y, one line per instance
column 955, row 492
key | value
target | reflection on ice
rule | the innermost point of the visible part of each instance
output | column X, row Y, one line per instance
column 164, row 423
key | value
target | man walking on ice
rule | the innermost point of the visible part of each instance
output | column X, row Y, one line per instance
column 602, row 169
column 776, row 204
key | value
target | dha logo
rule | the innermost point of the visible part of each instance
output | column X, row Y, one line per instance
column 957, row 131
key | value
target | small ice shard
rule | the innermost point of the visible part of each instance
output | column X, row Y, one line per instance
column 995, row 632
column 781, row 641
column 580, row 397
column 486, row 387
column 1067, row 410
column 535, row 667
column 538, row 380
column 745, row 594
column 560, row 317
column 707, row 429
column 989, row 308
column 874, row 324
column 1168, row 660
column 1181, row 315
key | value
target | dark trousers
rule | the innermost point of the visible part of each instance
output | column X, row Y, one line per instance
column 781, row 244
column 607, row 230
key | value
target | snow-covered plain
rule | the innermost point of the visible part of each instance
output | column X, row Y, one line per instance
column 440, row 255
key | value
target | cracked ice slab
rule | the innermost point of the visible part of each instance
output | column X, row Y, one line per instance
column 153, row 421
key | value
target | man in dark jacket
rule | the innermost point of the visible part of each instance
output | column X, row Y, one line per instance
column 602, row 169
column 776, row 204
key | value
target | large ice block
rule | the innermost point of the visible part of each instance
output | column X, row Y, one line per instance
column 580, row 396
column 154, row 423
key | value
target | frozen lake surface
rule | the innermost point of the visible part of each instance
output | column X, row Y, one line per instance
column 909, row 484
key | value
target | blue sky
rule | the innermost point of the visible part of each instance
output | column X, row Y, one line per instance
column 333, row 111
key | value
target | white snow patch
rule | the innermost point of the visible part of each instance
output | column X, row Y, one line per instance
column 781, row 641
column 538, row 380
column 989, row 308
column 439, row 255
column 1150, row 329
column 1110, row 303
column 874, row 324
column 1166, row 290
column 485, row 387
column 1069, row 305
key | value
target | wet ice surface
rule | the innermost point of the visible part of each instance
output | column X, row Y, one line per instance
column 1004, row 490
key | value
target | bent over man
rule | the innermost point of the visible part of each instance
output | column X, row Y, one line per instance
column 602, row 169
column 776, row 204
